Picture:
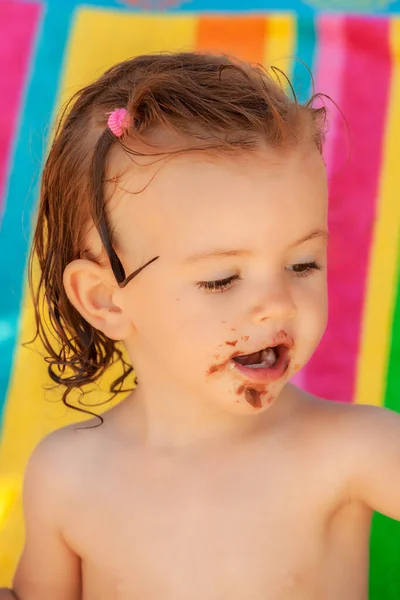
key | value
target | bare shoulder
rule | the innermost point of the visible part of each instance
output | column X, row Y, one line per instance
column 368, row 433
column 56, row 478
column 356, row 423
column 360, row 443
column 343, row 418
column 64, row 458
column 348, row 433
column 52, row 468
column 370, row 440
column 62, row 445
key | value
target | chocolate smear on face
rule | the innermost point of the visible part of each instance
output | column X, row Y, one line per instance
column 252, row 395
column 220, row 366
column 231, row 343
column 214, row 369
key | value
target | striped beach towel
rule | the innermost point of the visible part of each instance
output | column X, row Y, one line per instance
column 50, row 49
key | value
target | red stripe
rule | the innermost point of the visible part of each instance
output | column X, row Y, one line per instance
column 353, row 195
column 18, row 23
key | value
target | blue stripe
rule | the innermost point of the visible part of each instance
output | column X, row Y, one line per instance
column 21, row 193
column 298, row 6
column 305, row 52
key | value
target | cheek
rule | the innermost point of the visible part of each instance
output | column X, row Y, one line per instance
column 310, row 297
column 175, row 317
column 312, row 304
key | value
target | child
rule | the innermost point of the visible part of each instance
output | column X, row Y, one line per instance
column 184, row 212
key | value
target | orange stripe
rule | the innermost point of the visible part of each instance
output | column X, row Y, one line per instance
column 243, row 37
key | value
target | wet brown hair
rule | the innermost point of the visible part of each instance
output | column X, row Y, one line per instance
column 214, row 102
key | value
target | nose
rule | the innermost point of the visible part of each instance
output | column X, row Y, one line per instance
column 275, row 303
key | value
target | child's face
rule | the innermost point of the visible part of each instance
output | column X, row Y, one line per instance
column 263, row 222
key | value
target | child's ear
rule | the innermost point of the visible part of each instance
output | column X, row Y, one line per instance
column 90, row 289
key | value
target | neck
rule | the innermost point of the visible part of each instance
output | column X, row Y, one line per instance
column 168, row 416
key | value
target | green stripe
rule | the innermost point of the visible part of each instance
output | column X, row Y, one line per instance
column 392, row 395
column 385, row 537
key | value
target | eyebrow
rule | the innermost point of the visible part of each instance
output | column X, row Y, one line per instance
column 318, row 233
column 215, row 254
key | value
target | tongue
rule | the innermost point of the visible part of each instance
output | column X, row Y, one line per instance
column 263, row 359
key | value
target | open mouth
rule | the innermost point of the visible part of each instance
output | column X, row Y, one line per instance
column 269, row 364
column 263, row 359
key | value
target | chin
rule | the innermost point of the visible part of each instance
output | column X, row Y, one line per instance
column 245, row 409
column 246, row 400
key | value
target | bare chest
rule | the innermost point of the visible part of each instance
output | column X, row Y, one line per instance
column 214, row 535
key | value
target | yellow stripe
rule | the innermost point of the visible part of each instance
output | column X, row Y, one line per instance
column 9, row 489
column 280, row 42
column 380, row 297
column 11, row 535
column 102, row 38
column 99, row 39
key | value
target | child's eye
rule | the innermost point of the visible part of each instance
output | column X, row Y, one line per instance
column 220, row 285
column 304, row 269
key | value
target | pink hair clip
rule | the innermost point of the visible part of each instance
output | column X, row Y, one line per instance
column 118, row 121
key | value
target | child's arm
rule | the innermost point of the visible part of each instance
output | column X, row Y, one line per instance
column 374, row 455
column 48, row 569
column 6, row 594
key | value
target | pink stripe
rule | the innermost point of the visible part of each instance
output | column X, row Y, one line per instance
column 329, row 77
column 328, row 80
column 361, row 46
column 18, row 22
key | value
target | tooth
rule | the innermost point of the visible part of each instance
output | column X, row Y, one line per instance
column 268, row 357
